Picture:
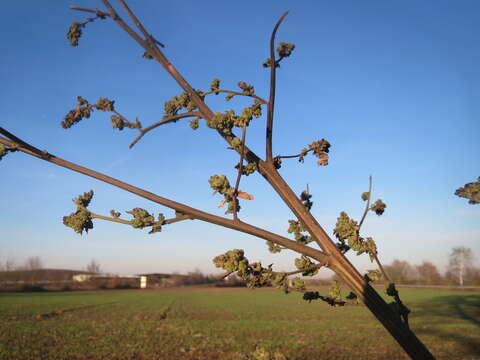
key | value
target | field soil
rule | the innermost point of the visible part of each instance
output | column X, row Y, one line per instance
column 226, row 323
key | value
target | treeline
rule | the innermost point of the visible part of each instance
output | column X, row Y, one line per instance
column 460, row 272
column 402, row 272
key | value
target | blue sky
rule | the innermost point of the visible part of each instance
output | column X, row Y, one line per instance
column 393, row 86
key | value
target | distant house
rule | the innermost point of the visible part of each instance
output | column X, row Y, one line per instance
column 109, row 281
column 154, row 280
column 82, row 277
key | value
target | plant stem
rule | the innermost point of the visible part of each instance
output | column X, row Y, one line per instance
column 235, row 93
column 94, row 11
column 367, row 206
column 271, row 101
column 184, row 209
column 164, row 121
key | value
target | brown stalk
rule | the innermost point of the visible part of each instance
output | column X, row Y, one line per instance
column 184, row 209
column 407, row 339
column 164, row 121
column 271, row 101
column 338, row 262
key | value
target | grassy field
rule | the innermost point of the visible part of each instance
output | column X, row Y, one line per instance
column 225, row 324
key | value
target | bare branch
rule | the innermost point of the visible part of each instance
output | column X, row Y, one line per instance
column 184, row 209
column 164, row 121
column 271, row 101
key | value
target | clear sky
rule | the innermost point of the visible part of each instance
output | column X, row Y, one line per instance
column 393, row 86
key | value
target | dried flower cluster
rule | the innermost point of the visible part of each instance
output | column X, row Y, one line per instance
column 470, row 191
column 83, row 109
column 80, row 220
column 320, row 149
column 255, row 274
column 284, row 50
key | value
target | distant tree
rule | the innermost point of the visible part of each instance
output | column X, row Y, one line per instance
column 9, row 264
column 94, row 267
column 311, row 242
column 428, row 274
column 8, row 268
column 33, row 263
column 401, row 271
column 461, row 259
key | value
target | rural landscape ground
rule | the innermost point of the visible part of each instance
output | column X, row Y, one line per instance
column 209, row 323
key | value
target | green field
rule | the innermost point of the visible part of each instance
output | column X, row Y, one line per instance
column 225, row 324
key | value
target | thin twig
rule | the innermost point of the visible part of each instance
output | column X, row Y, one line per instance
column 236, row 93
column 129, row 222
column 271, row 101
column 164, row 121
column 293, row 156
column 239, row 174
column 310, row 268
column 367, row 206
column 109, row 218
column 93, row 11
column 365, row 212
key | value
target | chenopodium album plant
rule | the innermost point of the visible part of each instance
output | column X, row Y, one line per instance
column 191, row 104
